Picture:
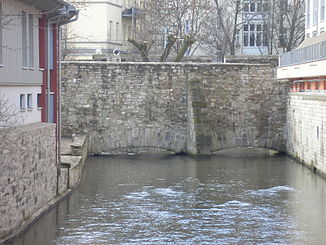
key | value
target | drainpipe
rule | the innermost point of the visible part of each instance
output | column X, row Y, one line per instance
column 63, row 16
column 48, row 77
column 59, row 83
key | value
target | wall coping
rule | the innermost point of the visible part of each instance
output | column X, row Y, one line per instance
column 181, row 64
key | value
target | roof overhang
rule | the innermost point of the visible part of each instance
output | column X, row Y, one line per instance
column 48, row 5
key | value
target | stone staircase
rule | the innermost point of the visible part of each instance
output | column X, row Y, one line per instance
column 72, row 161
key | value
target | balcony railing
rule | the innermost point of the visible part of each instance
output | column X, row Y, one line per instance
column 307, row 54
column 130, row 12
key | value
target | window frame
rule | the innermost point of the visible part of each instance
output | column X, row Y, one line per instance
column 29, row 101
column 22, row 102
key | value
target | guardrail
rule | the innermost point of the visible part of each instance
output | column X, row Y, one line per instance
column 307, row 54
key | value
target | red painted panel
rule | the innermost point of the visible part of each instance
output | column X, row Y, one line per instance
column 42, row 60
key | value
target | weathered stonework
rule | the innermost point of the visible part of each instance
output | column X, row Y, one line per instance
column 253, row 59
column 28, row 175
column 31, row 180
column 193, row 108
column 306, row 130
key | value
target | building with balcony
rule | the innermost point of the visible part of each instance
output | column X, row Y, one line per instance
column 305, row 70
column 305, row 66
column 28, row 56
column 103, row 25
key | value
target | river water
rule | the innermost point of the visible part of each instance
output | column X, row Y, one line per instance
column 182, row 200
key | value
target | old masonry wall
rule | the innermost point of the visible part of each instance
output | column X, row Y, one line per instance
column 193, row 108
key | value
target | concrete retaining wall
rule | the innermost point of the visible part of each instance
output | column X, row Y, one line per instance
column 306, row 129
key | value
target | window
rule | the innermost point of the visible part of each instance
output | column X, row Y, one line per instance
column 265, row 35
column 29, row 101
column 246, row 7
column 27, row 40
column 308, row 13
column 124, row 33
column 252, row 39
column 117, row 31
column 252, row 27
column 245, row 39
column 284, row 6
column 258, row 39
column 24, row 40
column 22, row 102
column 259, row 7
column 39, row 101
column 252, row 7
column 265, row 6
column 110, row 31
column 322, row 9
column 31, row 40
column 315, row 13
column 245, row 27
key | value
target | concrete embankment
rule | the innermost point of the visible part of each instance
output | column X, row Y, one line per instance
column 306, row 129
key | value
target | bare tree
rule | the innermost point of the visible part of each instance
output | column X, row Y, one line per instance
column 175, row 25
column 283, row 25
column 291, row 23
column 9, row 119
column 224, row 26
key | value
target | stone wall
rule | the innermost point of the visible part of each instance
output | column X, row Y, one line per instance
column 28, row 175
column 306, row 129
column 193, row 108
column 253, row 59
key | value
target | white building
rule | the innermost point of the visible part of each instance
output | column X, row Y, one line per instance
column 101, row 25
column 254, row 32
column 305, row 66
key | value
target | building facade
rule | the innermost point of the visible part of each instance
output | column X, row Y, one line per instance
column 253, row 36
column 103, row 25
column 29, row 55
column 305, row 66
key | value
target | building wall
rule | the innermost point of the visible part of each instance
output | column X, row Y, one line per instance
column 30, row 112
column 194, row 108
column 13, row 71
column 315, row 17
column 17, row 76
column 28, row 178
column 306, row 129
column 100, row 26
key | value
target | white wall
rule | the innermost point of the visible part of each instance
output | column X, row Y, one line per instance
column 93, row 30
column 313, row 29
column 310, row 69
column 12, row 93
column 306, row 129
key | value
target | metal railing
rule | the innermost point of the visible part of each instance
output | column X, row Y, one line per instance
column 307, row 54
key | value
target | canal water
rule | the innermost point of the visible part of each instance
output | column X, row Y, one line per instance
column 160, row 199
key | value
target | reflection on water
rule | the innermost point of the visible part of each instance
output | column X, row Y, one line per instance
column 182, row 200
